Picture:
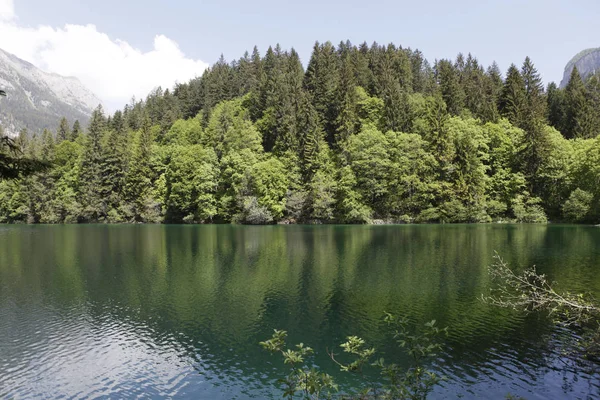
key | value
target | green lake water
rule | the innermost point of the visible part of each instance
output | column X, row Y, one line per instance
column 159, row 311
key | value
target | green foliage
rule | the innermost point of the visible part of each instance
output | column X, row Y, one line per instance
column 308, row 382
column 185, row 132
column 141, row 205
column 366, row 134
column 350, row 205
column 530, row 291
column 577, row 207
column 414, row 383
column 528, row 210
column 576, row 108
column 512, row 99
column 450, row 88
column 230, row 129
column 369, row 159
column 191, row 180
column 262, row 197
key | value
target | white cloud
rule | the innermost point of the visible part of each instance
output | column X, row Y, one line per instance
column 7, row 10
column 112, row 69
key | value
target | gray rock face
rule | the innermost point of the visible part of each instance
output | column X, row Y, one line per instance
column 587, row 62
column 36, row 100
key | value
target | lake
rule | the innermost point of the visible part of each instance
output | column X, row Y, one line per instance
column 160, row 311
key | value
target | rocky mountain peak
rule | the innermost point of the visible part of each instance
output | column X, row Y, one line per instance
column 37, row 100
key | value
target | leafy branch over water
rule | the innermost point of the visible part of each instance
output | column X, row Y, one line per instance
column 526, row 291
column 415, row 382
column 529, row 291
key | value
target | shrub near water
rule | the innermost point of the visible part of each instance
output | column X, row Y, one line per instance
column 414, row 383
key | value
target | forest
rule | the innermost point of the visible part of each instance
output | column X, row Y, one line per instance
column 364, row 134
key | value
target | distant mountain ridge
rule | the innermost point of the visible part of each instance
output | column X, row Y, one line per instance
column 37, row 100
column 587, row 62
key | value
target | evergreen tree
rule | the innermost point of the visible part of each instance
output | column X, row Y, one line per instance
column 263, row 106
column 64, row 131
column 535, row 101
column 47, row 146
column 450, row 88
column 288, row 109
column 218, row 84
column 419, row 71
column 321, row 80
column 76, row 131
column 91, row 172
column 347, row 123
column 364, row 74
column 593, row 106
column 493, row 90
column 576, row 107
column 312, row 140
column 113, row 167
column 394, row 80
column 247, row 73
column 513, row 97
column 478, row 99
column 436, row 132
column 556, row 107
column 537, row 146
column 139, row 178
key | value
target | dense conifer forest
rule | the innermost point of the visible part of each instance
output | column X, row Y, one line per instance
column 366, row 134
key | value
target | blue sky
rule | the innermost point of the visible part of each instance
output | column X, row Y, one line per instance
column 550, row 31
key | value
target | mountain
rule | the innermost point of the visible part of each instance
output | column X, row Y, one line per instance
column 587, row 62
column 37, row 99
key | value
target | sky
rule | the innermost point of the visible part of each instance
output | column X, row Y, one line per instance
column 125, row 48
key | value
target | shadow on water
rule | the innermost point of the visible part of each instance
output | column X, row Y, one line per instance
column 119, row 311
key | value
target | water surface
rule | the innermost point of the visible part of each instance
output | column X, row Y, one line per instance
column 96, row 311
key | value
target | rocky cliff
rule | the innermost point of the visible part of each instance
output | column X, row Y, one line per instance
column 587, row 62
column 37, row 99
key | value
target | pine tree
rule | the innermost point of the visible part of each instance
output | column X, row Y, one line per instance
column 536, row 147
column 64, row 131
column 364, row 75
column 396, row 112
column 114, row 165
column 247, row 73
column 493, row 90
column 513, row 97
column 218, row 83
column 473, row 82
column 91, row 172
column 312, row 140
column 402, row 67
column 133, row 113
column 593, row 96
column 321, row 80
column 452, row 93
column 394, row 81
column 282, row 91
column 139, row 177
column 556, row 107
column 347, row 122
column 262, row 108
column 47, row 146
column 419, row 72
column 76, row 131
column 21, row 140
column 576, row 107
column 288, row 107
column 535, row 101
column 436, row 117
